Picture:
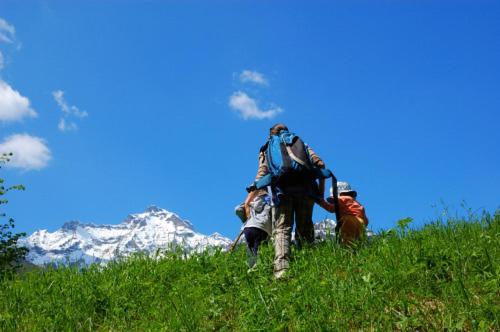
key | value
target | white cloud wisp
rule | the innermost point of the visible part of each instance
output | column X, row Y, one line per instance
column 247, row 107
column 13, row 106
column 63, row 125
column 73, row 110
column 68, row 111
column 7, row 32
column 29, row 152
column 253, row 77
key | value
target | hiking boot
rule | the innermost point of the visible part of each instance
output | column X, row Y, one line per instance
column 279, row 275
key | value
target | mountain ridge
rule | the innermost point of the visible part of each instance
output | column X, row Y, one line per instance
column 151, row 231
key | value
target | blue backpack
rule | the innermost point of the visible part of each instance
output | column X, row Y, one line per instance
column 286, row 153
column 288, row 161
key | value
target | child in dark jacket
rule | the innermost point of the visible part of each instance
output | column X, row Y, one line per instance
column 352, row 216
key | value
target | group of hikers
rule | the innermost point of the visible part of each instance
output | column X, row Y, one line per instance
column 290, row 180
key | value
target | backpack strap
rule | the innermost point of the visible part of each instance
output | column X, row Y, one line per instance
column 266, row 180
column 285, row 155
column 336, row 205
column 323, row 173
column 263, row 148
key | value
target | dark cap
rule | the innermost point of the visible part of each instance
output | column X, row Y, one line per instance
column 277, row 128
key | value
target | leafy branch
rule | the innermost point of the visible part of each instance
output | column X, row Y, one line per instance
column 11, row 255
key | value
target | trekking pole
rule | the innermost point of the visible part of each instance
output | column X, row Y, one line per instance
column 231, row 249
column 335, row 192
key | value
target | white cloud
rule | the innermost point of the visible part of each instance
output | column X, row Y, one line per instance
column 253, row 77
column 248, row 108
column 7, row 32
column 29, row 152
column 7, row 36
column 63, row 125
column 68, row 111
column 13, row 106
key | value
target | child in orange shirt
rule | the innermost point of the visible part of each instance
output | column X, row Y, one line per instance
column 352, row 216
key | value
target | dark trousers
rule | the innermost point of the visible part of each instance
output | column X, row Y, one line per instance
column 254, row 237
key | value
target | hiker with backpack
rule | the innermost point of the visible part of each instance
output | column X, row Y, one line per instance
column 351, row 218
column 290, row 168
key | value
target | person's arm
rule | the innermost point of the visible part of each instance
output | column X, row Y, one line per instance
column 327, row 206
column 263, row 169
column 321, row 188
column 318, row 162
column 250, row 197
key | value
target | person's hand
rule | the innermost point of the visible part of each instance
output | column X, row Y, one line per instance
column 322, row 203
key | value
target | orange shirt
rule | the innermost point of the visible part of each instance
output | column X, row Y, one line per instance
column 349, row 206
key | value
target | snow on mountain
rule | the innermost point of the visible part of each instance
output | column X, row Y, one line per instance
column 153, row 230
column 324, row 229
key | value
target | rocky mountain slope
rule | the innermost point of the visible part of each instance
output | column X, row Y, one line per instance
column 152, row 231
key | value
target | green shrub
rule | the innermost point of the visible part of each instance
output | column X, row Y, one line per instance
column 11, row 255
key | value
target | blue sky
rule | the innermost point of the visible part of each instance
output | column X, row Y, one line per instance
column 116, row 105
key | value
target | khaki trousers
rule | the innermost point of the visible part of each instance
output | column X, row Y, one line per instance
column 291, row 209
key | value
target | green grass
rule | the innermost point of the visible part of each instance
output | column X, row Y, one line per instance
column 443, row 276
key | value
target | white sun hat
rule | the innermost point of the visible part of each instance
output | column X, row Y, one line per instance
column 343, row 187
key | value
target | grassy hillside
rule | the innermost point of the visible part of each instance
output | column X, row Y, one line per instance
column 445, row 275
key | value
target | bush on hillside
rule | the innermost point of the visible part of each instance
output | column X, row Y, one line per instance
column 11, row 255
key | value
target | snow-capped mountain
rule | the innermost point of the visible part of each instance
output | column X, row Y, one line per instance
column 325, row 229
column 322, row 230
column 153, row 230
